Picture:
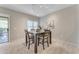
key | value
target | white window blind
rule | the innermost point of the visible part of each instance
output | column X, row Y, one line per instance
column 32, row 25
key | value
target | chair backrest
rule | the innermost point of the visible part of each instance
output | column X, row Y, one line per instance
column 47, row 32
column 30, row 35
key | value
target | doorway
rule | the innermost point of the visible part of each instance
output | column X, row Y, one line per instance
column 4, row 30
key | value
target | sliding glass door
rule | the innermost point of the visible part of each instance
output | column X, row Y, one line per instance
column 4, row 29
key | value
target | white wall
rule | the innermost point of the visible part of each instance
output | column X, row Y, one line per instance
column 17, row 23
column 66, row 25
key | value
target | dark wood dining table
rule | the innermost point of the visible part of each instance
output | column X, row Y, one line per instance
column 35, row 40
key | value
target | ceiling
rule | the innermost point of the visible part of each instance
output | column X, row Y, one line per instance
column 38, row 10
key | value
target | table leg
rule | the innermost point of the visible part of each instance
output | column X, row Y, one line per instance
column 50, row 38
column 35, row 44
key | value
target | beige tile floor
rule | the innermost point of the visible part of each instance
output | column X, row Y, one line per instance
column 18, row 47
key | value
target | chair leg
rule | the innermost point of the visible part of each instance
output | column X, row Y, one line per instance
column 26, row 40
column 38, row 41
column 29, row 44
column 33, row 39
column 43, row 44
column 47, row 42
column 26, row 43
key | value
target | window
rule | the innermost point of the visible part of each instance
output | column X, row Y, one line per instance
column 3, row 23
column 3, row 29
column 32, row 25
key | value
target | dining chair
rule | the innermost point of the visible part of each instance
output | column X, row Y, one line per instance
column 43, row 38
column 49, row 32
column 29, row 38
